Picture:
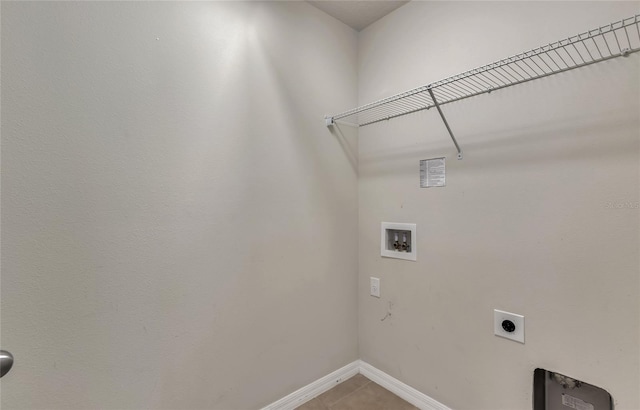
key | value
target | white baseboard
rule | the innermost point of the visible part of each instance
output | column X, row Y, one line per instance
column 395, row 386
column 314, row 389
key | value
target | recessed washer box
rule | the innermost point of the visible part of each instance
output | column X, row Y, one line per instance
column 398, row 240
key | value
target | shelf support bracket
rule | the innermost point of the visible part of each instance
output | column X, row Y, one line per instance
column 446, row 124
column 328, row 121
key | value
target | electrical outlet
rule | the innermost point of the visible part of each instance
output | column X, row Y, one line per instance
column 374, row 284
column 508, row 325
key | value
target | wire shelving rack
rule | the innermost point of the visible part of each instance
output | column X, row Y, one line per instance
column 618, row 39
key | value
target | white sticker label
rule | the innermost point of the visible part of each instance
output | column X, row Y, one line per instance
column 432, row 172
column 576, row 403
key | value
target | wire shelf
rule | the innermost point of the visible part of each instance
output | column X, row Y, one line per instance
column 617, row 39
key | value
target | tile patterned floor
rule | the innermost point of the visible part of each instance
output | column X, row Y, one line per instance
column 357, row 393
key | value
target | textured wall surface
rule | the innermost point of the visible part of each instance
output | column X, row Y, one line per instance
column 528, row 222
column 174, row 210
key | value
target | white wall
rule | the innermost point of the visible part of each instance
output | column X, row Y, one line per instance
column 523, row 224
column 174, row 211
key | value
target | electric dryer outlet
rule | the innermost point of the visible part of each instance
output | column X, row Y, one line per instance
column 508, row 325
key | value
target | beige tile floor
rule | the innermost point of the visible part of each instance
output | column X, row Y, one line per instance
column 357, row 393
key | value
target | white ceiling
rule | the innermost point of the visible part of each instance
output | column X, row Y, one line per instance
column 357, row 14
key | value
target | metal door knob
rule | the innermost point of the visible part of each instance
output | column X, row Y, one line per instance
column 6, row 362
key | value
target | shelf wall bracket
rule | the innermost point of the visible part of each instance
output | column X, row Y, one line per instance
column 328, row 121
column 446, row 124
